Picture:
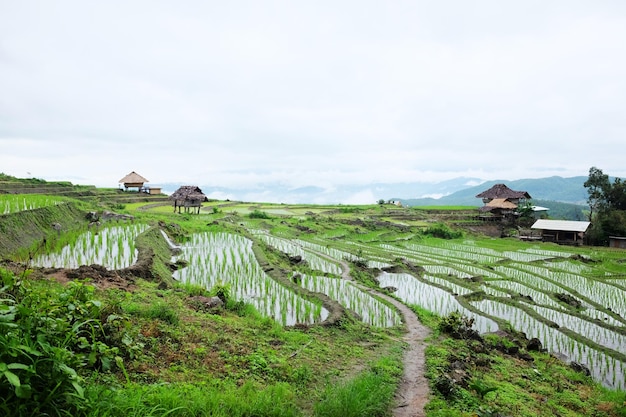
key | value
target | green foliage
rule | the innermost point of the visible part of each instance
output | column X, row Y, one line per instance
column 185, row 400
column 443, row 231
column 607, row 206
column 258, row 214
column 163, row 312
column 45, row 337
column 222, row 291
column 369, row 394
column 457, row 325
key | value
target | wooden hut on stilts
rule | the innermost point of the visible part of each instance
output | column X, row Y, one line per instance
column 189, row 197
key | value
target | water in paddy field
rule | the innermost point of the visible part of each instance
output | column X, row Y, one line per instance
column 370, row 310
column 224, row 258
column 112, row 247
column 604, row 368
column 413, row 291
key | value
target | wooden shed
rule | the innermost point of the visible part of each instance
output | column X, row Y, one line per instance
column 617, row 242
column 189, row 197
column 134, row 180
column 562, row 231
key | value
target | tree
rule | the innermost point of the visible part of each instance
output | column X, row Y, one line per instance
column 607, row 204
column 597, row 186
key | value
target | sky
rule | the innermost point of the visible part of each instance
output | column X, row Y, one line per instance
column 244, row 94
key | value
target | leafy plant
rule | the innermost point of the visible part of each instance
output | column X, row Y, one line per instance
column 481, row 387
column 443, row 231
column 258, row 214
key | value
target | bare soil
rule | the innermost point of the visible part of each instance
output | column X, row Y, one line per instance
column 413, row 392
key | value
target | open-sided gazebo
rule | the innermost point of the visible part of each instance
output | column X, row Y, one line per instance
column 133, row 180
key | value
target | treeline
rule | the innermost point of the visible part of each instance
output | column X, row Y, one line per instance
column 607, row 207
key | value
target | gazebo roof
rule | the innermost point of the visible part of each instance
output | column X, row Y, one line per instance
column 502, row 191
column 133, row 178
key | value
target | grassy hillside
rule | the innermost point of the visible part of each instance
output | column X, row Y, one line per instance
column 133, row 341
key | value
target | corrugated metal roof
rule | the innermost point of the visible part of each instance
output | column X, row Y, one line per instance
column 564, row 225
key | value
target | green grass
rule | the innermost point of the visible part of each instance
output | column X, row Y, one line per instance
column 176, row 360
column 369, row 394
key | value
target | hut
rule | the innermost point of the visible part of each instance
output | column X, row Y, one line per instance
column 134, row 180
column 502, row 202
column 189, row 197
column 617, row 242
column 562, row 231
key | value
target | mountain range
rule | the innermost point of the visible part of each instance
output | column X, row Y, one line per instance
column 458, row 191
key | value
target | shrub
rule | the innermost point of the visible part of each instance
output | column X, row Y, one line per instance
column 45, row 336
column 442, row 231
column 258, row 214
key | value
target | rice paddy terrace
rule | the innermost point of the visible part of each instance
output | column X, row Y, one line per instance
column 572, row 300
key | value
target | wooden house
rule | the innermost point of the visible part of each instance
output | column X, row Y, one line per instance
column 562, row 231
column 617, row 242
column 189, row 197
column 502, row 202
column 133, row 180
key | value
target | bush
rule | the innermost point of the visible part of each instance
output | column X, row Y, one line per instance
column 45, row 336
column 442, row 231
column 258, row 214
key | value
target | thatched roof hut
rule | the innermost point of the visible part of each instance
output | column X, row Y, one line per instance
column 502, row 191
column 188, row 196
column 133, row 180
column 501, row 201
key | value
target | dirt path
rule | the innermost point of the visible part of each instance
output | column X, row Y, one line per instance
column 413, row 391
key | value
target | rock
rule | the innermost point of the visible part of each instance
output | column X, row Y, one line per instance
column 568, row 299
column 296, row 259
column 513, row 350
column 579, row 367
column 92, row 216
column 534, row 344
column 205, row 303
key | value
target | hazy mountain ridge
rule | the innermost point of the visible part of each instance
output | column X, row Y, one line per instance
column 457, row 191
column 564, row 190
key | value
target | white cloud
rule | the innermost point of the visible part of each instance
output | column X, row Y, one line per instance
column 244, row 94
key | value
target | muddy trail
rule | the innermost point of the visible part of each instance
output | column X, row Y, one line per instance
column 413, row 391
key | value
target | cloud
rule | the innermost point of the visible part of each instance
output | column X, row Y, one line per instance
column 245, row 94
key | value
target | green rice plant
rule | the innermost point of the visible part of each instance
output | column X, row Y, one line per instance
column 13, row 203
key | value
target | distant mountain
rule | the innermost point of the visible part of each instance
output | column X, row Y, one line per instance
column 564, row 197
column 342, row 194
column 565, row 190
column 457, row 191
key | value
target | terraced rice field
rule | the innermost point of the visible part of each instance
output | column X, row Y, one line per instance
column 502, row 285
column 112, row 247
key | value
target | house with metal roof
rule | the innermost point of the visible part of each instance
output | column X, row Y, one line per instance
column 562, row 231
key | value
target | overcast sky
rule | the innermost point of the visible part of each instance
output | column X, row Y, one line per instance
column 240, row 93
